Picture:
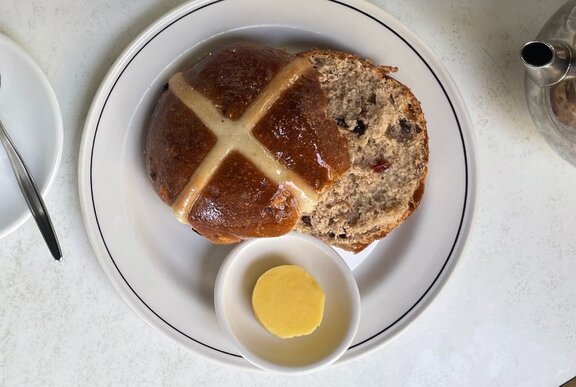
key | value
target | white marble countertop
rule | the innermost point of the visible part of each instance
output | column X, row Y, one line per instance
column 506, row 317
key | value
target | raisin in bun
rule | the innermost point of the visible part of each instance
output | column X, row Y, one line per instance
column 240, row 144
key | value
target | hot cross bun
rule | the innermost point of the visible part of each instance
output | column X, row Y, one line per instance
column 240, row 144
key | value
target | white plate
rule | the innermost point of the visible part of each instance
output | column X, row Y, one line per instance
column 31, row 115
column 165, row 271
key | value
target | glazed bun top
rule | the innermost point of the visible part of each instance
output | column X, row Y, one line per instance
column 240, row 144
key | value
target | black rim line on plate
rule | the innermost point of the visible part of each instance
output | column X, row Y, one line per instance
column 426, row 292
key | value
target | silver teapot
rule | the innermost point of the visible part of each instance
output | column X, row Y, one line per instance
column 550, row 83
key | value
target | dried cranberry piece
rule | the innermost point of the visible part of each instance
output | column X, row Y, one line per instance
column 381, row 165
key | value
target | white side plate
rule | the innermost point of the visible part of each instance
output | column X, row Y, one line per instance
column 165, row 271
column 31, row 115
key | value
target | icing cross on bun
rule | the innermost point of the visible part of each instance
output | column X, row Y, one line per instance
column 240, row 144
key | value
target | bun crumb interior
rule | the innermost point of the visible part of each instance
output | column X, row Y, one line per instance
column 388, row 143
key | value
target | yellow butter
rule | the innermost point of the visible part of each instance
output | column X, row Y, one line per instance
column 288, row 301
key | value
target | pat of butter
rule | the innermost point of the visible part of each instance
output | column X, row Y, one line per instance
column 288, row 301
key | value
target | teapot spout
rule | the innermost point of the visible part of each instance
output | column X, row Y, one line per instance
column 549, row 62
